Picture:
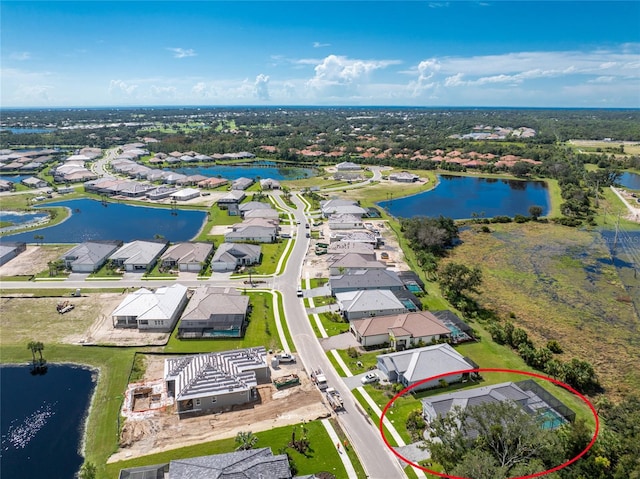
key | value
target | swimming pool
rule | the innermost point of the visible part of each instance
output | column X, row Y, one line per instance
column 549, row 419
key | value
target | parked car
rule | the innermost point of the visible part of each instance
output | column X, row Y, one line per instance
column 299, row 293
column 370, row 378
column 286, row 358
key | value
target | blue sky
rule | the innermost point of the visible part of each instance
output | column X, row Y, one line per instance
column 417, row 53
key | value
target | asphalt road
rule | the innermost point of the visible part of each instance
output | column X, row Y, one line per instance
column 378, row 461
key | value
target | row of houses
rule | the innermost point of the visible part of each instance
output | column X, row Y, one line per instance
column 26, row 161
column 206, row 312
column 139, row 255
column 110, row 186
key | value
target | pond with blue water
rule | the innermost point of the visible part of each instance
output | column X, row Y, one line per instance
column 263, row 169
column 42, row 420
column 14, row 178
column 93, row 220
column 461, row 197
column 630, row 180
column 20, row 218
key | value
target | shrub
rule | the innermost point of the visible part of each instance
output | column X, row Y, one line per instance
column 352, row 352
column 554, row 346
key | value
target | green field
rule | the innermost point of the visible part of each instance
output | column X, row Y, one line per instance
column 559, row 284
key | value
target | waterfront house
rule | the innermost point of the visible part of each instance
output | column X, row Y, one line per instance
column 529, row 396
column 241, row 183
column 187, row 256
column 348, row 166
column 254, row 230
column 211, row 382
column 404, row 177
column 89, row 256
column 138, row 255
column 230, row 256
column 213, row 313
column 336, row 206
column 148, row 310
column 414, row 365
column 185, row 194
column 161, row 192
column 400, row 330
column 269, row 184
column 253, row 205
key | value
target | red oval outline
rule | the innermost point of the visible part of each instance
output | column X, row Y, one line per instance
column 493, row 370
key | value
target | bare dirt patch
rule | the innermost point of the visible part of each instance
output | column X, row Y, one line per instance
column 162, row 430
column 32, row 261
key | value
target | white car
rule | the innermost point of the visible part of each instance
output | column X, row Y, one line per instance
column 370, row 378
column 287, row 358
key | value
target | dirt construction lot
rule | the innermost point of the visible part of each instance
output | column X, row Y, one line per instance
column 163, row 430
column 32, row 261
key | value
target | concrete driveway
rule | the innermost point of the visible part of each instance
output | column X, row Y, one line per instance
column 339, row 341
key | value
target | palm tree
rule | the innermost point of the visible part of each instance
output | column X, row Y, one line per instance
column 32, row 347
column 245, row 440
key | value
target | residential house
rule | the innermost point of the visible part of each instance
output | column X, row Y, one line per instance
column 248, row 464
column 415, row 365
column 351, row 262
column 253, row 205
column 364, row 280
column 269, row 184
column 400, row 331
column 187, row 256
column 212, row 382
column 148, row 310
column 214, row 312
column 265, row 213
column 212, row 182
column 138, row 255
column 6, row 185
column 229, row 256
column 241, row 183
column 345, row 221
column 348, row 166
column 89, row 256
column 8, row 251
column 33, row 182
column 350, row 236
column 161, row 192
column 232, row 198
column 404, row 177
column 532, row 398
column 252, row 231
column 365, row 304
column 332, row 207
column 185, row 194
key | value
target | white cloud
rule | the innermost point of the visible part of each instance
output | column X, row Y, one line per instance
column 182, row 52
column 20, row 56
column 321, row 45
column 118, row 86
column 337, row 70
column 262, row 87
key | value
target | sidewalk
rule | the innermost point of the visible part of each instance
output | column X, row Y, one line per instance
column 346, row 461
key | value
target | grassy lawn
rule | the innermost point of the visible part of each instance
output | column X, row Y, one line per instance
column 322, row 456
column 317, row 282
column 368, row 360
column 331, row 327
column 372, row 416
column 271, row 253
column 350, row 452
column 323, row 300
column 285, row 327
column 261, row 331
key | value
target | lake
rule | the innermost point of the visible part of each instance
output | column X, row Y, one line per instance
column 630, row 180
column 42, row 420
column 459, row 197
column 264, row 169
column 28, row 130
column 91, row 220
column 21, row 218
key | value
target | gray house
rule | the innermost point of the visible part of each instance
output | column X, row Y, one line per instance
column 205, row 383
column 187, row 256
column 253, row 205
column 528, row 395
column 360, row 280
column 231, row 198
column 256, row 230
column 33, row 182
column 249, row 464
column 415, row 365
column 138, row 255
column 365, row 304
column 8, row 251
column 241, row 183
column 229, row 256
column 353, row 262
column 89, row 256
column 214, row 313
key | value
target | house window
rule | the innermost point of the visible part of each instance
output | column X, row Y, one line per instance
column 214, row 400
column 197, row 402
